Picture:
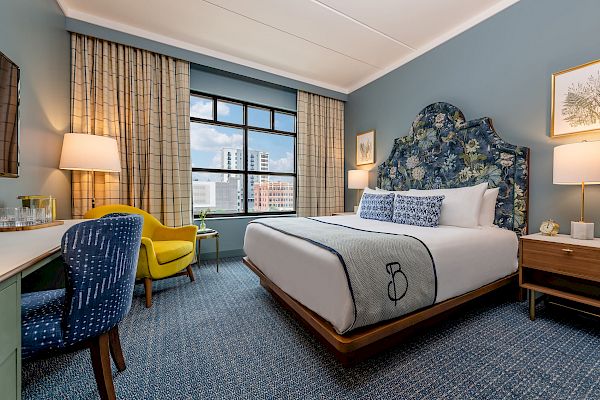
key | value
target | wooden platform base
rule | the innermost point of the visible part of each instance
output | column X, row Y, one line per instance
column 365, row 342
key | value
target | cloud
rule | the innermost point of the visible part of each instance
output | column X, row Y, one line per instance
column 201, row 110
column 285, row 164
column 223, row 109
column 216, row 161
column 207, row 138
column 204, row 109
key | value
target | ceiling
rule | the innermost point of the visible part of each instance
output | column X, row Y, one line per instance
column 336, row 44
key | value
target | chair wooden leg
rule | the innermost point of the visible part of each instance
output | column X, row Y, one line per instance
column 148, row 289
column 190, row 273
column 115, row 349
column 99, row 349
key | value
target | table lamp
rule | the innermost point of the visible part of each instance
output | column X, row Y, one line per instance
column 358, row 179
column 578, row 164
column 86, row 152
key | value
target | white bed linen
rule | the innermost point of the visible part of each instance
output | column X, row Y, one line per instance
column 465, row 259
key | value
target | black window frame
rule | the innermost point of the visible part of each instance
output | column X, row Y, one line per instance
column 245, row 173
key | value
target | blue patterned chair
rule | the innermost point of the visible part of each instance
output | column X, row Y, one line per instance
column 100, row 258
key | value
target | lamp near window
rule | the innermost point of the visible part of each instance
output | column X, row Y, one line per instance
column 95, row 153
column 578, row 164
column 358, row 179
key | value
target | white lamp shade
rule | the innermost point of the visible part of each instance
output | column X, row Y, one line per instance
column 576, row 163
column 85, row 152
column 358, row 179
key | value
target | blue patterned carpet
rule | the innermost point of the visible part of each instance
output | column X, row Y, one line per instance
column 225, row 337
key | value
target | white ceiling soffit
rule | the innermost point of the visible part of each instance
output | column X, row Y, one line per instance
column 340, row 45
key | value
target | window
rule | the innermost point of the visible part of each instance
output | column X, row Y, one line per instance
column 243, row 157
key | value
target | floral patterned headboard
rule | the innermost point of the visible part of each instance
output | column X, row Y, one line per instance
column 443, row 150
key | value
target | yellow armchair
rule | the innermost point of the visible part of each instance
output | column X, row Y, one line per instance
column 165, row 252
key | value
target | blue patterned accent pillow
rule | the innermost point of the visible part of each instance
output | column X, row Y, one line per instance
column 377, row 206
column 419, row 211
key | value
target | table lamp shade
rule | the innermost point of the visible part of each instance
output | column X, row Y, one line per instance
column 577, row 163
column 86, row 152
column 358, row 179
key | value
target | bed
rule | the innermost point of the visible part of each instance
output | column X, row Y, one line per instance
column 313, row 281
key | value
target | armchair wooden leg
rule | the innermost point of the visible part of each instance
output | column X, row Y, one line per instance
column 99, row 349
column 115, row 349
column 190, row 273
column 148, row 289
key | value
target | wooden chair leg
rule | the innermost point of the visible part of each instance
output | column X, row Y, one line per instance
column 148, row 289
column 190, row 273
column 115, row 349
column 99, row 349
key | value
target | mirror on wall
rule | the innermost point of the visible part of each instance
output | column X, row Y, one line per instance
column 9, row 118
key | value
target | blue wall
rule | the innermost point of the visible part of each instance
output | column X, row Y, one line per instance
column 32, row 34
column 500, row 68
column 208, row 80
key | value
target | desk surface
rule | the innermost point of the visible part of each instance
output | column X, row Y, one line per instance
column 22, row 249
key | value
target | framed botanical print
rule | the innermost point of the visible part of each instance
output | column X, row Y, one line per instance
column 365, row 148
column 576, row 100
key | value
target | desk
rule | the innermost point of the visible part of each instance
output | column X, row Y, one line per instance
column 21, row 253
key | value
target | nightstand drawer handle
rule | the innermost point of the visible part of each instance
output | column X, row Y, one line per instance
column 568, row 250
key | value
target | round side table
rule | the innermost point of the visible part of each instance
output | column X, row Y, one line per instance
column 200, row 236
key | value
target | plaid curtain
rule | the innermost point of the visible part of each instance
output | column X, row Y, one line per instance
column 142, row 100
column 320, row 155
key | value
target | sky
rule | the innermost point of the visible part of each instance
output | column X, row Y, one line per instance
column 207, row 140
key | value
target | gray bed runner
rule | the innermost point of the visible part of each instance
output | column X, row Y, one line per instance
column 389, row 275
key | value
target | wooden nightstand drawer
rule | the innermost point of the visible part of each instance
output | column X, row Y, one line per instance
column 565, row 259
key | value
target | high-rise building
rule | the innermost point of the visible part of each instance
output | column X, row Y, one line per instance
column 226, row 195
column 232, row 158
column 219, row 197
column 203, row 195
column 273, row 196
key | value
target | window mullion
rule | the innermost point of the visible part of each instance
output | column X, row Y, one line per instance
column 246, row 187
column 244, row 170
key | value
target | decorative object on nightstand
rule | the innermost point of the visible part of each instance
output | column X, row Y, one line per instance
column 561, row 267
column 207, row 234
column 578, row 164
column 549, row 228
column 88, row 152
column 358, row 179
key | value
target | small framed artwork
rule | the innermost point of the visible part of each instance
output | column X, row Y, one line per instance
column 365, row 148
column 576, row 100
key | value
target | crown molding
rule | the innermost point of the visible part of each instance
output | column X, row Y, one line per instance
column 62, row 7
column 132, row 30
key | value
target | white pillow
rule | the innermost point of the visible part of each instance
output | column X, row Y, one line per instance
column 391, row 191
column 488, row 207
column 461, row 206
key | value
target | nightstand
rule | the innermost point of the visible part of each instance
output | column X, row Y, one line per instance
column 344, row 213
column 561, row 267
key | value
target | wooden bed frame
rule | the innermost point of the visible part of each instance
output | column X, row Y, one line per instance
column 513, row 196
column 367, row 341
